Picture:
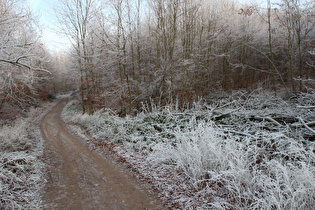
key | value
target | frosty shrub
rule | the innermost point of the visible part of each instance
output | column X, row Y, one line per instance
column 233, row 152
column 275, row 172
column 21, row 176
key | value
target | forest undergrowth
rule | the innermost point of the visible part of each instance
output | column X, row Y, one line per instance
column 21, row 170
column 245, row 151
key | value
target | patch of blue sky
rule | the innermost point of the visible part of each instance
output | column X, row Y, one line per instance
column 52, row 39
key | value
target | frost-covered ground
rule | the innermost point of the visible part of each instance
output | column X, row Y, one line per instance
column 21, row 170
column 246, row 151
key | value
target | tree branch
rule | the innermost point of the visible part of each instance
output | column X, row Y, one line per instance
column 303, row 124
column 306, row 125
column 310, row 65
column 16, row 63
column 306, row 107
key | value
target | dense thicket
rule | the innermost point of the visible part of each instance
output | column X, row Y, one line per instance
column 130, row 50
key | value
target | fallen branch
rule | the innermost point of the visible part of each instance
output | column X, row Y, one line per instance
column 304, row 124
column 239, row 133
column 219, row 117
column 269, row 119
column 306, row 107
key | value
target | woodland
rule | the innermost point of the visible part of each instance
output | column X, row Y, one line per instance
column 164, row 84
column 127, row 52
column 130, row 51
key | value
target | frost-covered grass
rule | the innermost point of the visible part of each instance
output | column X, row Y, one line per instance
column 21, row 172
column 214, row 155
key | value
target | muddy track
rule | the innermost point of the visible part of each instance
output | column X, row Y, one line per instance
column 79, row 178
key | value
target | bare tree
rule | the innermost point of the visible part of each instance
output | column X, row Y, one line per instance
column 136, row 49
column 271, row 55
column 297, row 18
column 166, row 14
column 75, row 17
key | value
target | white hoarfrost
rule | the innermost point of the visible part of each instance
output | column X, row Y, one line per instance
column 240, row 152
column 21, row 170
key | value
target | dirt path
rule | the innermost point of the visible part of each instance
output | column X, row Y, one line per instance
column 79, row 178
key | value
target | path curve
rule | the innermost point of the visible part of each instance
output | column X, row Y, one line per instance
column 79, row 178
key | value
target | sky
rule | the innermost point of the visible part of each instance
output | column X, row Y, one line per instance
column 53, row 40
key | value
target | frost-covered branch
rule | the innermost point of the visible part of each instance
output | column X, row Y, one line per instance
column 304, row 124
column 24, row 65
column 311, row 65
column 306, row 107
column 269, row 119
column 21, row 53
column 239, row 133
column 312, row 52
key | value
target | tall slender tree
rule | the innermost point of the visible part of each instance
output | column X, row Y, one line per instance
column 75, row 17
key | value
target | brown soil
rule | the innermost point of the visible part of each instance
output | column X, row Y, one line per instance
column 79, row 178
